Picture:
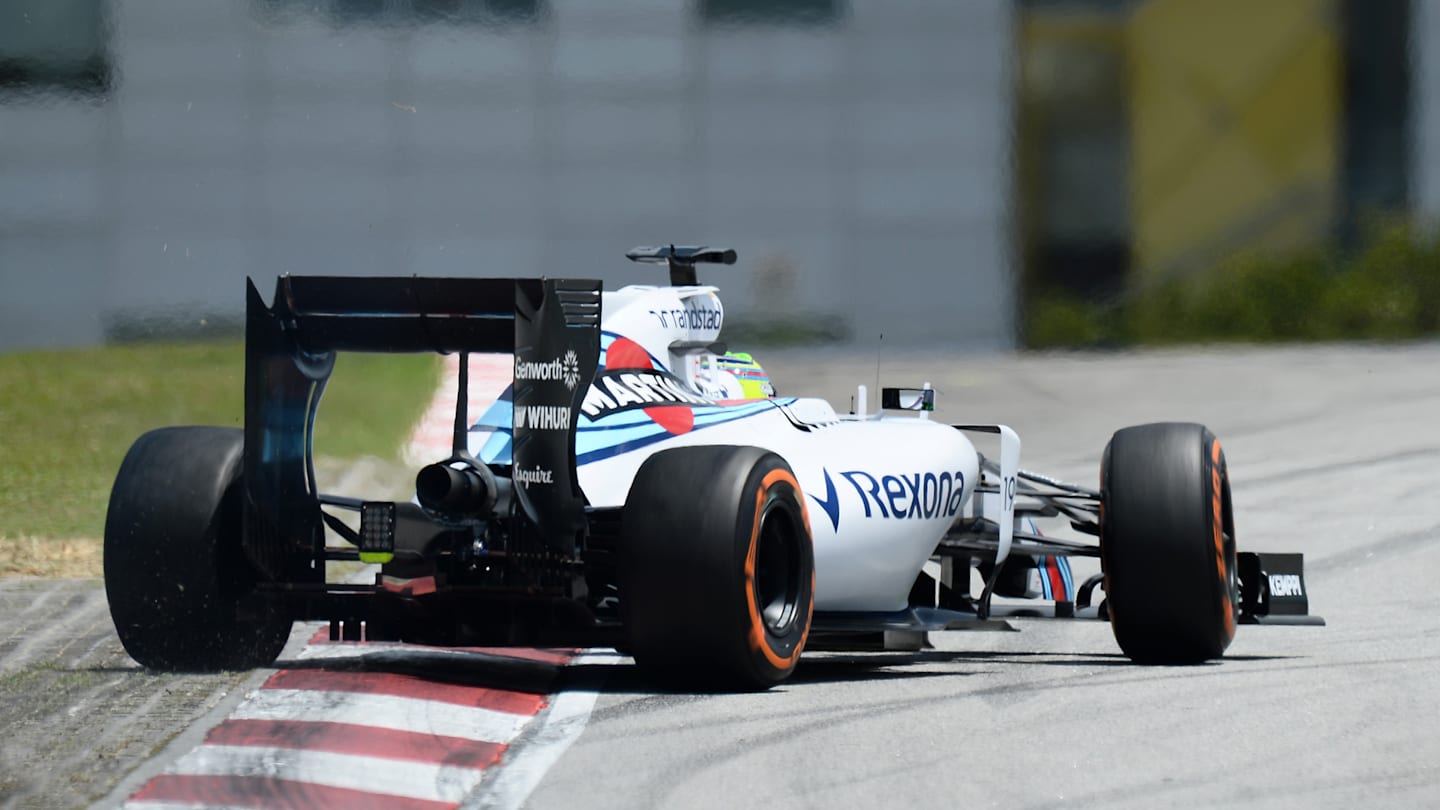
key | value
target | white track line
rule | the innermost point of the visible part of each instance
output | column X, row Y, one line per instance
column 383, row 711
column 149, row 804
column 390, row 777
column 559, row 727
column 490, row 374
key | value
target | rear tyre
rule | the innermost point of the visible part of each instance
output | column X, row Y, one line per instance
column 175, row 572
column 717, row 570
column 1167, row 543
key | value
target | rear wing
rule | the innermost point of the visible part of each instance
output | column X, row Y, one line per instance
column 551, row 325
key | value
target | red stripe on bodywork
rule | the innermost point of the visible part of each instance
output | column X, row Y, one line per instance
column 359, row 740
column 273, row 794
column 409, row 686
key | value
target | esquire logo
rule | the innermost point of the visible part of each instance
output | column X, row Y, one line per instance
column 565, row 369
column 614, row 391
column 534, row 475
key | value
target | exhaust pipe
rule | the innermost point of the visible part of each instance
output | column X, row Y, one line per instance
column 456, row 487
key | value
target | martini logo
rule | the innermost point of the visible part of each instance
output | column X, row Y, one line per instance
column 566, row 370
column 631, row 381
column 615, row 391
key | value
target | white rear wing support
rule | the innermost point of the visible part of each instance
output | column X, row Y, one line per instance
column 1007, row 486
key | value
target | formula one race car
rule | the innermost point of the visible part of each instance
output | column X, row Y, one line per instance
column 640, row 486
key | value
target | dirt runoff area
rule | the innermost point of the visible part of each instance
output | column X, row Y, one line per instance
column 78, row 715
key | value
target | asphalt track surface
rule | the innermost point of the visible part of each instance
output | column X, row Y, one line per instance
column 1332, row 451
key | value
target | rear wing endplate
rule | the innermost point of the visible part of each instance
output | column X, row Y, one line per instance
column 290, row 348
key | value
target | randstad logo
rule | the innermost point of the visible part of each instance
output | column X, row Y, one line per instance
column 566, row 370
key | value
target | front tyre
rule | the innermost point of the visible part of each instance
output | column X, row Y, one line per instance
column 717, row 569
column 175, row 572
column 1167, row 543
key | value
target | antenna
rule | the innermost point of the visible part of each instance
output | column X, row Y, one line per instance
column 879, row 349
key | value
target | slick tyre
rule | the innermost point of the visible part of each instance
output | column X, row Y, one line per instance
column 175, row 573
column 716, row 568
column 1167, row 544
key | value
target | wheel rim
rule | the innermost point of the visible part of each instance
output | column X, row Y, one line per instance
column 777, row 574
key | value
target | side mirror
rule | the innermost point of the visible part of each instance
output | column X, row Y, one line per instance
column 907, row 399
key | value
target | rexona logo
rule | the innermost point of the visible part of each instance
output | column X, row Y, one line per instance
column 542, row 417
column 565, row 369
column 1286, row 585
column 640, row 388
column 903, row 496
column 534, row 475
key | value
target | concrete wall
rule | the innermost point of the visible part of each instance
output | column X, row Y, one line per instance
column 1425, row 110
column 859, row 161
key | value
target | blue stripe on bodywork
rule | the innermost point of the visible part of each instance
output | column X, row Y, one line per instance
column 617, row 433
column 721, row 415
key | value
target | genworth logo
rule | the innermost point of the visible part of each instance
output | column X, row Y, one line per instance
column 571, row 372
column 566, row 370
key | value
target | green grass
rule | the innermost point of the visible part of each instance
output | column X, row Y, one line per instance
column 1390, row 290
column 373, row 402
column 67, row 418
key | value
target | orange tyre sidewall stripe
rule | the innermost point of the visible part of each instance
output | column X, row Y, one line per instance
column 1217, row 526
column 758, row 642
column 1104, row 564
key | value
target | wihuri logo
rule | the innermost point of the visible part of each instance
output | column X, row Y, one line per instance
column 542, row 417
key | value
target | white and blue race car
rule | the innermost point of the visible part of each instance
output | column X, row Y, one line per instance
column 641, row 486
